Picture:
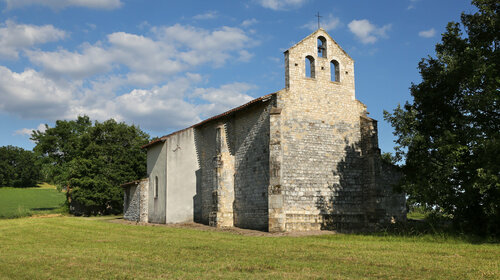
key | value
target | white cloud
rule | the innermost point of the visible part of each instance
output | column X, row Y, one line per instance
column 159, row 107
column 24, row 131
column 198, row 38
column 367, row 32
column 281, row 4
column 328, row 23
column 249, row 22
column 412, row 4
column 143, row 25
column 134, row 78
column 15, row 37
column 28, row 131
column 178, row 103
column 207, row 15
column 427, row 33
column 245, row 56
column 61, row 4
column 223, row 98
column 202, row 45
column 31, row 95
column 171, row 105
column 92, row 61
column 149, row 60
column 145, row 56
column 89, row 27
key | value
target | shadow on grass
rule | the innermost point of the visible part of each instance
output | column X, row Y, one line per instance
column 436, row 229
column 22, row 212
column 44, row 209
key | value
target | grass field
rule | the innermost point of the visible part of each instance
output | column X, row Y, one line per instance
column 71, row 247
column 16, row 202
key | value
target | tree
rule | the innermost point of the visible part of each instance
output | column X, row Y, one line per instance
column 58, row 145
column 92, row 161
column 449, row 136
column 18, row 168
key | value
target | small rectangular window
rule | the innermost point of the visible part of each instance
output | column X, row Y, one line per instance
column 156, row 187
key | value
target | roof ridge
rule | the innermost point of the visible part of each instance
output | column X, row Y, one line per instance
column 226, row 113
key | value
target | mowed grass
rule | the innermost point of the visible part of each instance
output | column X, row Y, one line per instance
column 21, row 202
column 92, row 248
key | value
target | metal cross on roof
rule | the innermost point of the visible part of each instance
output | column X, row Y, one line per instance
column 318, row 16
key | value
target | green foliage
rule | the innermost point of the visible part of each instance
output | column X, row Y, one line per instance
column 58, row 145
column 417, row 212
column 450, row 135
column 389, row 159
column 91, row 161
column 18, row 168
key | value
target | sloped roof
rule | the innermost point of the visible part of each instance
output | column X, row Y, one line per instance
column 227, row 113
column 133, row 183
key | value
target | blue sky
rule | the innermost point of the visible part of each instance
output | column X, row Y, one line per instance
column 165, row 65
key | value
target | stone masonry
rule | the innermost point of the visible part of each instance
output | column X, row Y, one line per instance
column 135, row 207
column 303, row 158
column 234, row 165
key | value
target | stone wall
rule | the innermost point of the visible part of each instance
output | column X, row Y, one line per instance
column 131, row 203
column 249, row 134
column 382, row 204
column 144, row 187
column 135, row 202
column 233, row 154
column 205, row 141
column 277, row 216
column 324, row 171
column 394, row 202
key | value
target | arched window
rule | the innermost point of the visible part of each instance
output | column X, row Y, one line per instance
column 156, row 187
column 321, row 46
column 310, row 67
column 335, row 71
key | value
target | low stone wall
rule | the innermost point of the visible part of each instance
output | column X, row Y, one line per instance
column 135, row 202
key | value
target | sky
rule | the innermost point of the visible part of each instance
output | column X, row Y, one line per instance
column 165, row 65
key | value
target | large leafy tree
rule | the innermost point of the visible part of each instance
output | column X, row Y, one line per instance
column 450, row 135
column 58, row 145
column 91, row 161
column 18, row 168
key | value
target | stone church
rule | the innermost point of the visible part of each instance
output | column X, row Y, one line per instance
column 302, row 158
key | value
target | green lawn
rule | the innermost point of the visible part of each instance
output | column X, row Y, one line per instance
column 16, row 202
column 71, row 247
